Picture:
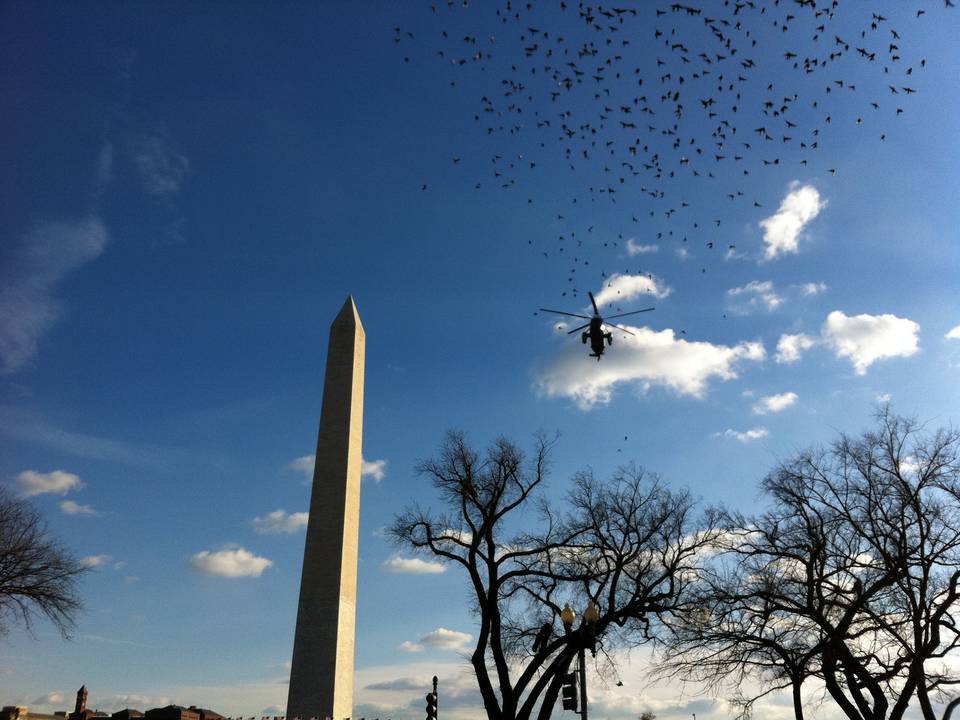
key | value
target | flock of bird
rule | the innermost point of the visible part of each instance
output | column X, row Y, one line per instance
column 654, row 107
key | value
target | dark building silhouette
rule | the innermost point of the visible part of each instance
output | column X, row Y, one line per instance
column 80, row 711
column 172, row 712
column 126, row 714
column 206, row 714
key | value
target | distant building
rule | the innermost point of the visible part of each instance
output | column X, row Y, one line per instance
column 80, row 712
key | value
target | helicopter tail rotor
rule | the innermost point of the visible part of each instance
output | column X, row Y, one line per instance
column 594, row 303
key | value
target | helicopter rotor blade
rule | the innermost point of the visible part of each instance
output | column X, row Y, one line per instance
column 578, row 329
column 621, row 329
column 593, row 302
column 633, row 312
column 561, row 312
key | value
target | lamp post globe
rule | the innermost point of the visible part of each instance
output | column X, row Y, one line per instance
column 591, row 614
column 567, row 616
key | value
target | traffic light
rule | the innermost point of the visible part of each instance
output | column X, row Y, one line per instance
column 568, row 691
column 431, row 706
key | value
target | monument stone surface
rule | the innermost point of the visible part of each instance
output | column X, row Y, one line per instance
column 321, row 674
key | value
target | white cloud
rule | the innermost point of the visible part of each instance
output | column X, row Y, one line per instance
column 813, row 288
column 51, row 698
column 231, row 563
column 416, row 566
column 373, row 469
column 112, row 703
column 744, row 436
column 405, row 646
column 774, row 403
column 69, row 507
column 864, row 339
column 162, row 169
column 682, row 253
column 31, row 272
column 884, row 398
column 635, row 248
column 376, row 470
column 95, row 561
column 782, row 229
column 303, row 464
column 791, row 347
column 279, row 521
column 444, row 639
column 649, row 357
column 57, row 482
column 953, row 334
column 623, row 288
column 755, row 293
column 412, row 684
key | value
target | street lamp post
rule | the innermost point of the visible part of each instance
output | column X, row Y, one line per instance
column 588, row 624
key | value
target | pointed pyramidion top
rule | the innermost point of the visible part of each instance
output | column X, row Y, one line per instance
column 348, row 315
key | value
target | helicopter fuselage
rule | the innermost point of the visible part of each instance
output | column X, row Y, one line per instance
column 593, row 328
column 596, row 336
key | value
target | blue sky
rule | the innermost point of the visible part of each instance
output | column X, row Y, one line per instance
column 191, row 192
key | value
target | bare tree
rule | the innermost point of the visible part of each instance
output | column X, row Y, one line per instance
column 852, row 577
column 628, row 546
column 37, row 575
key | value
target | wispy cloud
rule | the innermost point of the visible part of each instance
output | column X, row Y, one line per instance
column 412, row 565
column 635, row 248
column 647, row 357
column 754, row 294
column 790, row 348
column 623, row 288
column 32, row 270
column 29, row 426
column 953, row 334
column 279, row 521
column 57, row 482
column 439, row 639
column 774, row 403
column 864, row 339
column 51, row 698
column 445, row 639
column 303, row 464
column 162, row 168
column 813, row 288
column 95, row 561
column 69, row 507
column 230, row 563
column 104, row 170
column 782, row 229
column 744, row 436
column 376, row 470
column 411, row 684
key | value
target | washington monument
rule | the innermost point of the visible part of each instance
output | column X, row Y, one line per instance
column 321, row 675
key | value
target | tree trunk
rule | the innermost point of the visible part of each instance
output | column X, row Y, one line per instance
column 797, row 700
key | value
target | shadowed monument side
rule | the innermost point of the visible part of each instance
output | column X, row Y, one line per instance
column 321, row 674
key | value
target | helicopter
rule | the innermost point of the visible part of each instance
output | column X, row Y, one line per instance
column 595, row 333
